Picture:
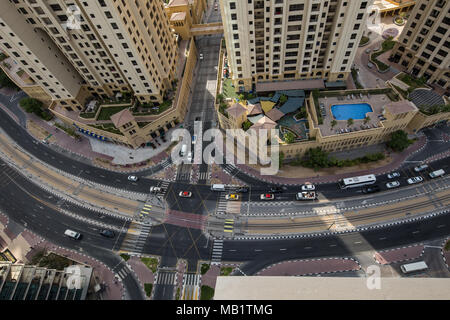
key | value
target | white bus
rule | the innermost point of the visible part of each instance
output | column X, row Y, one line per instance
column 412, row 267
column 357, row 181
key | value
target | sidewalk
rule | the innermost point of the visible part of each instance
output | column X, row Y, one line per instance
column 398, row 160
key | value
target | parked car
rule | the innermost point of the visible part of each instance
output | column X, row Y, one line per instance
column 267, row 196
column 308, row 187
column 392, row 184
column 371, row 189
column 201, row 56
column 370, row 65
column 133, row 178
column 393, row 175
column 185, row 194
column 414, row 180
column 107, row 233
column 242, row 190
column 368, row 51
column 232, row 197
column 421, row 168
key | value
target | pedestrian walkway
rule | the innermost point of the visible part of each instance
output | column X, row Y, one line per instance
column 228, row 226
column 191, row 286
column 165, row 278
column 217, row 251
column 135, row 239
column 399, row 254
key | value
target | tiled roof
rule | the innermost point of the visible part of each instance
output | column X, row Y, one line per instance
column 121, row 118
column 236, row 110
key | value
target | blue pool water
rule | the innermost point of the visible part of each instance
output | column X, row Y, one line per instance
column 354, row 111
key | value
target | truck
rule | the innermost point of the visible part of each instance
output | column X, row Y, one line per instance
column 412, row 267
column 306, row 195
column 437, row 173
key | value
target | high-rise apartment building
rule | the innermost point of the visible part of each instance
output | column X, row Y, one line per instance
column 73, row 49
column 272, row 40
column 424, row 45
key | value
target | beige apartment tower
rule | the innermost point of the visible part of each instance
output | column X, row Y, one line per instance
column 424, row 45
column 74, row 50
column 275, row 40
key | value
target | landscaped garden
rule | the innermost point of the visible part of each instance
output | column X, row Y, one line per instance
column 412, row 82
column 151, row 263
column 206, row 293
column 387, row 45
column 364, row 40
column 228, row 89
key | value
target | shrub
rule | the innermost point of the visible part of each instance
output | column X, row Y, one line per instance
column 204, row 268
column 206, row 293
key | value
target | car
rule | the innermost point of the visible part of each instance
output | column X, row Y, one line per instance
column 421, row 168
column 189, row 157
column 216, row 6
column 242, row 190
column 133, row 178
column 368, row 51
column 185, row 194
column 392, row 184
column 107, row 233
column 267, row 196
column 414, row 180
column 371, row 189
column 232, row 196
column 393, row 175
column 44, row 141
column 276, row 189
column 370, row 65
column 201, row 56
column 156, row 189
column 308, row 187
column 194, row 139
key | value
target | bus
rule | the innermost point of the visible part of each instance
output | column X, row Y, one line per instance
column 412, row 267
column 218, row 187
column 357, row 181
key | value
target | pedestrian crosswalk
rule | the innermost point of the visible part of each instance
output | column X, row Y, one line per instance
column 217, row 251
column 145, row 211
column 222, row 204
column 191, row 286
column 135, row 238
column 184, row 176
column 123, row 273
column 228, row 226
column 204, row 176
column 166, row 164
column 165, row 278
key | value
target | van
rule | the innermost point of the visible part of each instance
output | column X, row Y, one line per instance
column 72, row 234
column 183, row 150
column 218, row 187
column 437, row 173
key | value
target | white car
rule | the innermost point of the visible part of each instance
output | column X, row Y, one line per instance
column 156, row 189
column 393, row 184
column 421, row 168
column 393, row 175
column 189, row 157
column 133, row 178
column 308, row 187
column 185, row 194
column 201, row 56
column 414, row 180
column 267, row 196
column 370, row 65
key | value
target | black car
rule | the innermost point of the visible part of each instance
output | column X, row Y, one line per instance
column 276, row 189
column 107, row 233
column 371, row 189
column 242, row 190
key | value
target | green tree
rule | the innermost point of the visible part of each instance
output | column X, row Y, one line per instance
column 281, row 159
column 350, row 122
column 366, row 119
column 283, row 99
column 399, row 141
column 333, row 123
column 246, row 125
column 5, row 81
column 220, row 98
column 289, row 137
column 316, row 158
column 31, row 105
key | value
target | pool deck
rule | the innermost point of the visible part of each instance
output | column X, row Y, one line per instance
column 377, row 102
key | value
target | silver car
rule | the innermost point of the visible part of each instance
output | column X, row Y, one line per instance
column 393, row 175
column 421, row 168
column 415, row 180
column 133, row 178
column 393, row 184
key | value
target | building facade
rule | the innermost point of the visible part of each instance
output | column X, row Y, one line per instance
column 292, row 39
column 82, row 49
column 424, row 45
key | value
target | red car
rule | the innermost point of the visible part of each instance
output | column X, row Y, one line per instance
column 185, row 194
column 267, row 196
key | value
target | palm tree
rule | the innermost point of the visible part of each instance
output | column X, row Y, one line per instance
column 349, row 122
column 333, row 123
column 366, row 119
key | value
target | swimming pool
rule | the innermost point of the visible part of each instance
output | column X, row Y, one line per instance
column 355, row 111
